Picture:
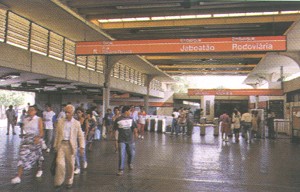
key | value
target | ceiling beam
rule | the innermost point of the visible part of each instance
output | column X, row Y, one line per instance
column 206, row 71
column 201, row 22
column 204, row 56
column 200, row 66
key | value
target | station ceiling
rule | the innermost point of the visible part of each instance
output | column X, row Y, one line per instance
column 189, row 27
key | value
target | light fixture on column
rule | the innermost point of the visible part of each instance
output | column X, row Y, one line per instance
column 10, row 76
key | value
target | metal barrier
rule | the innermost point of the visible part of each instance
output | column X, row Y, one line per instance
column 158, row 123
column 282, row 127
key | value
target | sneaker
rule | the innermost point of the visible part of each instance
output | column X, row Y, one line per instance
column 85, row 165
column 14, row 133
column 7, row 133
column 121, row 172
column 48, row 150
column 39, row 173
column 130, row 166
column 226, row 140
column 44, row 146
column 142, row 137
column 77, row 171
column 139, row 136
column 16, row 180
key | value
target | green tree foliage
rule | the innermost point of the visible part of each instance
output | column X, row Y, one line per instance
column 181, row 86
column 11, row 98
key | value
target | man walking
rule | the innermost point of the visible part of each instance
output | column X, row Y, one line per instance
column 68, row 132
column 126, row 126
column 11, row 119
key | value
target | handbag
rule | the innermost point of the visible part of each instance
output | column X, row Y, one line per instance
column 53, row 165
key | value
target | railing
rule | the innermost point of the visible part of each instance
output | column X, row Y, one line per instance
column 23, row 33
column 282, row 126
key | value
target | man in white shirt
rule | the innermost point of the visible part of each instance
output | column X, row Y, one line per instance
column 48, row 125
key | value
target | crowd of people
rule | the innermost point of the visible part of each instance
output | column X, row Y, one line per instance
column 248, row 124
column 71, row 133
column 183, row 122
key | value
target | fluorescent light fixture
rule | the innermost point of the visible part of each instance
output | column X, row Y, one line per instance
column 172, row 17
column 271, row 13
column 129, row 19
column 289, row 12
column 177, row 17
column 115, row 20
column 143, row 18
column 158, row 18
column 103, row 20
column 149, row 6
column 204, row 16
column 188, row 16
column 236, row 14
column 254, row 13
column 220, row 15
column 10, row 76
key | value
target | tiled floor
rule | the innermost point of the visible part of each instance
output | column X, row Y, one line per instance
column 165, row 163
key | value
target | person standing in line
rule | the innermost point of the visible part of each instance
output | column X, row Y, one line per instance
column 256, row 131
column 246, row 121
column 190, row 123
column 48, row 124
column 68, row 136
column 107, row 126
column 117, row 114
column 30, row 148
column 174, row 127
column 62, row 113
column 225, row 126
column 141, row 122
column 81, row 118
column 90, row 129
column 236, row 120
column 126, row 127
column 22, row 118
column 133, row 113
column 270, row 124
column 10, row 115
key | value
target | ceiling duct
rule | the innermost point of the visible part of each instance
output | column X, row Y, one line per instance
column 148, row 6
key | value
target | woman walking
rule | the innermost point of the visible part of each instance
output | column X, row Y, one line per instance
column 141, row 122
column 90, row 129
column 236, row 121
column 30, row 149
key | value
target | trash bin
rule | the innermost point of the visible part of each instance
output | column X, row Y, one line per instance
column 159, row 125
column 153, row 125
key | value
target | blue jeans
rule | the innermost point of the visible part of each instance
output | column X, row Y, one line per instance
column 247, row 130
column 49, row 137
column 124, row 148
column 77, row 158
column 174, row 127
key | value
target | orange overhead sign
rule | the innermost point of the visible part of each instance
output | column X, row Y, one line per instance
column 236, row 92
column 228, row 44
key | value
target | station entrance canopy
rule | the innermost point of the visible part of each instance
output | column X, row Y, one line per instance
column 227, row 44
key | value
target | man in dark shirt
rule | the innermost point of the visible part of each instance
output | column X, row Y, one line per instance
column 126, row 126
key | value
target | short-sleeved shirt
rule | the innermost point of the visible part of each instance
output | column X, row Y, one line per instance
column 125, row 126
column 48, row 116
column 108, row 119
